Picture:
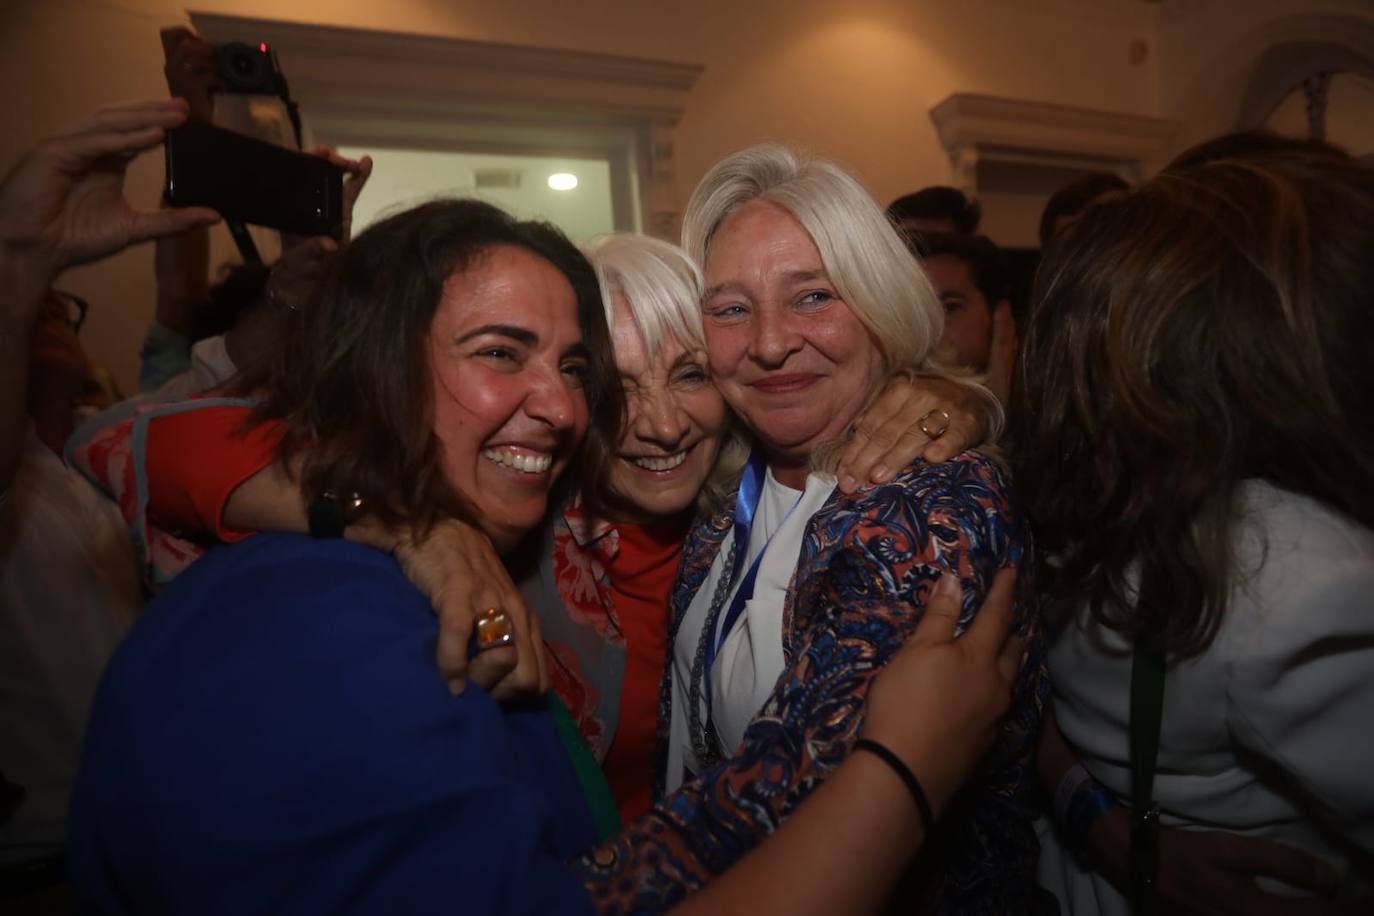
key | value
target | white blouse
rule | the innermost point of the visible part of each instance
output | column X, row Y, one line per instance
column 210, row 368
column 749, row 663
column 1268, row 733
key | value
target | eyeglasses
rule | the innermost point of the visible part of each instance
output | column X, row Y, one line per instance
column 75, row 306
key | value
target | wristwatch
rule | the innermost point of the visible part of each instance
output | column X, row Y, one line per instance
column 329, row 514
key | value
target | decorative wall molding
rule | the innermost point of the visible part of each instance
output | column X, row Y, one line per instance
column 358, row 86
column 981, row 128
column 361, row 60
column 1287, row 66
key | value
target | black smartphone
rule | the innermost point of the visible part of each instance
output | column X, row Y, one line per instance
column 251, row 181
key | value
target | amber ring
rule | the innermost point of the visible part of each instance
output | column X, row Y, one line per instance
column 934, row 433
column 494, row 629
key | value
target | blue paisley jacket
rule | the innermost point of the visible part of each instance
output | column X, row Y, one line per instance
column 867, row 566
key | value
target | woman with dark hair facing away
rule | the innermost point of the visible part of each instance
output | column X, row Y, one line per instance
column 1195, row 439
column 273, row 737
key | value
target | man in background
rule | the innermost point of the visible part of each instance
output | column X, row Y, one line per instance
column 935, row 209
column 968, row 275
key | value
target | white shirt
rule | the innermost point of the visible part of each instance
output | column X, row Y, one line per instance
column 69, row 590
column 210, row 368
column 750, row 661
column 1286, row 687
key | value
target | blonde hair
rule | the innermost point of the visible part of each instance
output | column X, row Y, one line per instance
column 662, row 287
column 865, row 257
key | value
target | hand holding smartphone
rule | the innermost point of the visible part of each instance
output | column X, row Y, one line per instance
column 251, row 181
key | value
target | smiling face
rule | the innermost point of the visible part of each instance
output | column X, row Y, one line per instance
column 787, row 352
column 674, row 418
column 507, row 364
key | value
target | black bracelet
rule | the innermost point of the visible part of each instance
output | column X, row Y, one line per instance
column 329, row 515
column 913, row 785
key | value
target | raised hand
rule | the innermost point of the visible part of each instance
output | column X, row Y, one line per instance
column 356, row 174
column 63, row 203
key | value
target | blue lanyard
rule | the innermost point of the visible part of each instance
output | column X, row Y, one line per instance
column 746, row 504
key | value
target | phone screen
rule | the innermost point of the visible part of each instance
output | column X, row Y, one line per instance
column 250, row 181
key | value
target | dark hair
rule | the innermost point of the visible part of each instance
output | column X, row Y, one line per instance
column 978, row 252
column 239, row 289
column 938, row 202
column 1074, row 198
column 1209, row 328
column 352, row 378
column 1250, row 144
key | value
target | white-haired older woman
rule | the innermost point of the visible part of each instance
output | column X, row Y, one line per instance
column 794, row 595
column 602, row 574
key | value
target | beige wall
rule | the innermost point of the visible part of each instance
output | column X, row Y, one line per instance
column 853, row 79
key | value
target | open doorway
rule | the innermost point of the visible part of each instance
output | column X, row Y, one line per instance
column 574, row 194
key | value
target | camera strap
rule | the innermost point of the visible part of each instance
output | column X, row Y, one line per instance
column 1147, row 713
column 247, row 248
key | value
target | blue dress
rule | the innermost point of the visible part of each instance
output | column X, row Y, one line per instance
column 274, row 737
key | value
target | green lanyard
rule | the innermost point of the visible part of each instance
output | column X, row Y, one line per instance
column 1147, row 712
column 600, row 802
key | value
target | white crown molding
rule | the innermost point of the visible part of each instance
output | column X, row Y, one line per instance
column 989, row 121
column 340, row 60
column 976, row 128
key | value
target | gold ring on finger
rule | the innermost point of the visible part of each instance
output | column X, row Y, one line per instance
column 934, row 433
column 494, row 629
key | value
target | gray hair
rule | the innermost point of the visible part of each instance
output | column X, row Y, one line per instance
column 658, row 279
column 662, row 287
column 865, row 257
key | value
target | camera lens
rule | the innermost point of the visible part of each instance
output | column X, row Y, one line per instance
column 244, row 68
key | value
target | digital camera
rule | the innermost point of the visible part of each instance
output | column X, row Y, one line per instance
column 248, row 69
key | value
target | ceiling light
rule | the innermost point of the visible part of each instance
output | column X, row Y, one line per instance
column 563, row 181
